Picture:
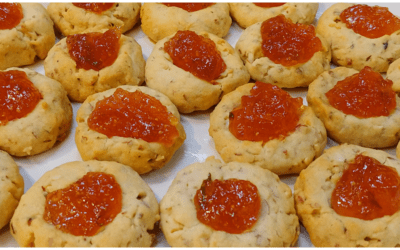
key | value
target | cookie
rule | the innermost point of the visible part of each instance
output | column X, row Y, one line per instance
column 393, row 74
column 350, row 49
column 11, row 187
column 138, row 213
column 141, row 155
column 70, row 19
column 127, row 69
column 247, row 14
column 313, row 191
column 32, row 37
column 159, row 20
column 187, row 91
column 46, row 124
column 276, row 225
column 281, row 156
column 262, row 68
column 373, row 132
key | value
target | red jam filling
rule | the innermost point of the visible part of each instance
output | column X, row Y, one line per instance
column 365, row 94
column 269, row 5
column 134, row 115
column 189, row 7
column 18, row 96
column 94, row 50
column 371, row 22
column 229, row 205
column 86, row 206
column 97, row 8
column 10, row 15
column 286, row 43
column 367, row 190
column 267, row 113
column 195, row 54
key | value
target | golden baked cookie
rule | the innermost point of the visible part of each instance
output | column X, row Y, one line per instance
column 138, row 213
column 247, row 14
column 32, row 37
column 276, row 224
column 313, row 197
column 70, row 19
column 373, row 132
column 11, row 187
column 393, row 74
column 141, row 155
column 159, row 20
column 46, row 124
column 187, row 91
column 281, row 156
column 262, row 68
column 127, row 69
column 350, row 49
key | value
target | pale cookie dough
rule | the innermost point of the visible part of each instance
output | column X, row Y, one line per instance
column 140, row 155
column 188, row 92
column 290, row 155
column 48, row 123
column 127, row 69
column 393, row 74
column 11, row 187
column 353, row 50
column 374, row 132
column 139, row 213
column 261, row 68
column 247, row 14
column 32, row 37
column 71, row 20
column 277, row 224
column 313, row 191
column 159, row 20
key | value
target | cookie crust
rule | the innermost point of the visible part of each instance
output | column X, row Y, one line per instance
column 159, row 20
column 277, row 224
column 128, row 229
column 188, row 92
column 48, row 123
column 393, row 74
column 313, row 190
column 140, row 155
column 286, row 156
column 374, row 132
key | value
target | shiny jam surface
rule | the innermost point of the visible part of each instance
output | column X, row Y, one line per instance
column 371, row 22
column 195, row 54
column 269, row 5
column 94, row 50
column 267, row 113
column 86, row 206
column 10, row 15
column 367, row 190
column 286, row 43
column 134, row 115
column 365, row 94
column 190, row 7
column 229, row 205
column 97, row 8
column 18, row 96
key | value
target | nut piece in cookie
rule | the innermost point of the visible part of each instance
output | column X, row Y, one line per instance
column 26, row 32
column 75, row 18
column 194, row 69
column 356, row 107
column 87, row 204
column 247, row 14
column 361, row 35
column 161, row 20
column 283, row 53
column 135, row 126
column 263, row 125
column 89, row 63
column 36, row 112
column 11, row 187
column 348, row 197
column 213, row 204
